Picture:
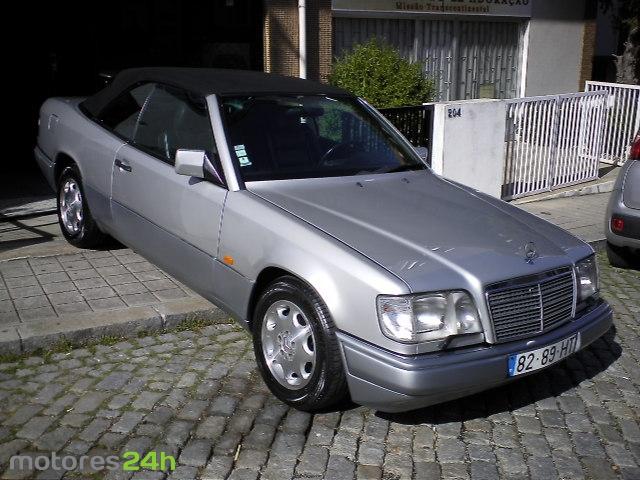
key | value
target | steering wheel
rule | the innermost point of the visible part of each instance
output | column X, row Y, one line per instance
column 339, row 149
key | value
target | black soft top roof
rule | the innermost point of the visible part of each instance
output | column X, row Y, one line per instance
column 207, row 81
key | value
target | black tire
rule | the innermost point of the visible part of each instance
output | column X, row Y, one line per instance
column 327, row 385
column 88, row 234
column 621, row 257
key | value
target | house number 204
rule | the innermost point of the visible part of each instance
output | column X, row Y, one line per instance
column 454, row 112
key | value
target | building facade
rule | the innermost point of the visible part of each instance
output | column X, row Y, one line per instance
column 471, row 48
column 479, row 48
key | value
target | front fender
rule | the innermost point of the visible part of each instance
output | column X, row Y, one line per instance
column 257, row 235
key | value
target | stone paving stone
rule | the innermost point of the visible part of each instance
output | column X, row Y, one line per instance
column 120, row 279
column 31, row 302
column 89, row 402
column 170, row 294
column 106, row 303
column 52, row 278
column 91, row 282
column 36, row 313
column 17, row 282
column 58, row 287
column 98, row 293
column 150, row 275
column 34, row 428
column 23, row 292
column 56, row 439
column 82, row 274
column 195, row 453
column 71, row 308
column 139, row 299
column 65, row 297
column 130, row 288
column 127, row 422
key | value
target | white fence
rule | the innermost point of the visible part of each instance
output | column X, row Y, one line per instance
column 622, row 120
column 552, row 141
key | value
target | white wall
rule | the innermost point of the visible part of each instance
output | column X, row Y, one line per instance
column 554, row 58
column 470, row 148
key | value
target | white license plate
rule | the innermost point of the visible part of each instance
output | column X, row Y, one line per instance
column 526, row 362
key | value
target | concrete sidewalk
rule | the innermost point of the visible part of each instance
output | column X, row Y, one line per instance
column 51, row 291
column 88, row 295
column 583, row 215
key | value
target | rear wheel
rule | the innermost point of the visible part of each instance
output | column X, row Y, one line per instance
column 296, row 347
column 75, row 219
column 622, row 257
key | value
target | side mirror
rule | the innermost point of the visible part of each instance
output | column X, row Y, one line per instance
column 190, row 163
column 423, row 153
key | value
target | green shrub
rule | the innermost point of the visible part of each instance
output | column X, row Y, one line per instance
column 376, row 72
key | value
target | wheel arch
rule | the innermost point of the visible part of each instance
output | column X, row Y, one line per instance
column 62, row 160
column 264, row 278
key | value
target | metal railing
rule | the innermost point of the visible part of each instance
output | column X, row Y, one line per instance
column 415, row 123
column 552, row 141
column 622, row 120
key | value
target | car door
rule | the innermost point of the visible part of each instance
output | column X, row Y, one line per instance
column 99, row 148
column 173, row 220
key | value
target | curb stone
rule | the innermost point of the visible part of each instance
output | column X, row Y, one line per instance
column 83, row 328
column 603, row 187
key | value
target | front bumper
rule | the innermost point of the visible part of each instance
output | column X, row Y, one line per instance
column 392, row 383
column 630, row 237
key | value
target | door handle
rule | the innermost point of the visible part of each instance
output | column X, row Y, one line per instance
column 122, row 165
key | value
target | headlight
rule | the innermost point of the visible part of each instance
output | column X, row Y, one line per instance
column 431, row 316
column 587, row 278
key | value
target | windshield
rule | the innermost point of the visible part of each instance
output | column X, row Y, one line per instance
column 274, row 137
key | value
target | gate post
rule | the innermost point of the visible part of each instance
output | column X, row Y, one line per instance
column 555, row 135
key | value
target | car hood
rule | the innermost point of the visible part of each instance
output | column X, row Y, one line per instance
column 427, row 231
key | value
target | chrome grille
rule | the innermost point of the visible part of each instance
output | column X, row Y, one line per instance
column 538, row 305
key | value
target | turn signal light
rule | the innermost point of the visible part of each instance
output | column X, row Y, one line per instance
column 228, row 260
column 617, row 224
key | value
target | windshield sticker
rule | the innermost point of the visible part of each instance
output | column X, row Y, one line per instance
column 241, row 153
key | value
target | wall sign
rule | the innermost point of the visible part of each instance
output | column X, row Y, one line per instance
column 507, row 8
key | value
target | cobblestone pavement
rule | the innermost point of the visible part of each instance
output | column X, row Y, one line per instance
column 41, row 288
column 196, row 395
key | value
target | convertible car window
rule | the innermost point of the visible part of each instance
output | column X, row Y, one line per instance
column 280, row 137
column 122, row 113
column 174, row 119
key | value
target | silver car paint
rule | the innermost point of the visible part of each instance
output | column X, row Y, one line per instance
column 94, row 153
column 258, row 234
column 350, row 243
column 427, row 232
column 624, row 201
column 186, row 210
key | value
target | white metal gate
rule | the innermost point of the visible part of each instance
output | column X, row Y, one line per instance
column 466, row 59
column 552, row 141
column 622, row 120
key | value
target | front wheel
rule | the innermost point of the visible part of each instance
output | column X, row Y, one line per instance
column 75, row 219
column 296, row 347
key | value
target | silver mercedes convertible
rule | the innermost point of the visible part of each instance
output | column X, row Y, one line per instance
column 302, row 212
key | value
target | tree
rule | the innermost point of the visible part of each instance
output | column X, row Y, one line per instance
column 376, row 72
column 626, row 18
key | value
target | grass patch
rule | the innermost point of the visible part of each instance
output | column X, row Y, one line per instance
column 193, row 322
column 196, row 322
column 110, row 340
